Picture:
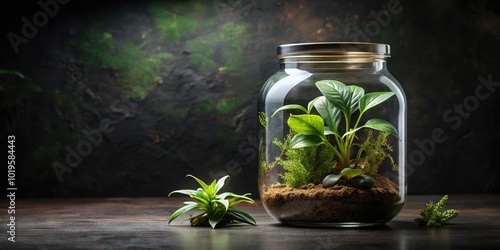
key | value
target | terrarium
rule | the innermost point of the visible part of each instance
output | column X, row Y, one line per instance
column 332, row 136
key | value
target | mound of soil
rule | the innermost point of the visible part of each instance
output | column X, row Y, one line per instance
column 338, row 204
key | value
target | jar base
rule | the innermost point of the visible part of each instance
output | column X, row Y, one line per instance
column 332, row 224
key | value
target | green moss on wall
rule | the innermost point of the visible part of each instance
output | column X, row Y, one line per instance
column 138, row 71
column 212, row 45
column 227, row 106
column 179, row 19
column 221, row 49
column 204, row 107
column 222, row 107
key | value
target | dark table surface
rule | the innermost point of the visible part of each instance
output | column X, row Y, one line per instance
column 141, row 223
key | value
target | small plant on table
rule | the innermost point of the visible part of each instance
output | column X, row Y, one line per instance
column 217, row 209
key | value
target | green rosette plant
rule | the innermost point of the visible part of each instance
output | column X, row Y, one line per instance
column 338, row 105
column 218, row 209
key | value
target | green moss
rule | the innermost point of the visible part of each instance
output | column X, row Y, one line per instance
column 303, row 165
column 179, row 19
column 226, row 106
column 222, row 106
column 232, row 36
column 376, row 150
column 204, row 107
column 138, row 71
column 212, row 45
column 221, row 49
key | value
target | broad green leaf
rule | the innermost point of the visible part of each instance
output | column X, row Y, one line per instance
column 302, row 141
column 373, row 99
column 355, row 95
column 307, row 124
column 291, row 106
column 182, row 210
column 220, row 183
column 183, row 191
column 381, row 125
column 329, row 113
column 349, row 173
column 362, row 181
column 336, row 92
column 330, row 180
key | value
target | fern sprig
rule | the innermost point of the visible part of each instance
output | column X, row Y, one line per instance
column 432, row 215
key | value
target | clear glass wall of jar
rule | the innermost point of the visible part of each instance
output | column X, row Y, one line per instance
column 332, row 136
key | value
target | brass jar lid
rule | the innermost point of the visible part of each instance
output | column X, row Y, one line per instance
column 351, row 50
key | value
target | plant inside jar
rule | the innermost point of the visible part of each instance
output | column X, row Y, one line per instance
column 336, row 107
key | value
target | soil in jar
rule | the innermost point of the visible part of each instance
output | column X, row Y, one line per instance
column 338, row 204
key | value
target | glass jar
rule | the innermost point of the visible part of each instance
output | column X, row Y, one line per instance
column 332, row 136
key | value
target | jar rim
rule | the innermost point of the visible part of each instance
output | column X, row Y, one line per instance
column 333, row 49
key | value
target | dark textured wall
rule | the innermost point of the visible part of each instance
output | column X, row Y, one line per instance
column 126, row 98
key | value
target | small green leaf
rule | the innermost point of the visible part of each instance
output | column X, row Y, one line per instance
column 202, row 184
column 362, row 181
column 352, row 131
column 235, row 211
column 330, row 180
column 307, row 124
column 236, row 198
column 373, row 99
column 310, row 105
column 328, row 131
column 349, row 173
column 220, row 183
column 182, row 210
column 381, row 125
column 183, row 191
column 225, row 203
column 201, row 197
column 303, row 141
column 355, row 94
column 215, row 217
column 290, row 106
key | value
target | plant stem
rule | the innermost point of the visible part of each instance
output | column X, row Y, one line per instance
column 335, row 151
